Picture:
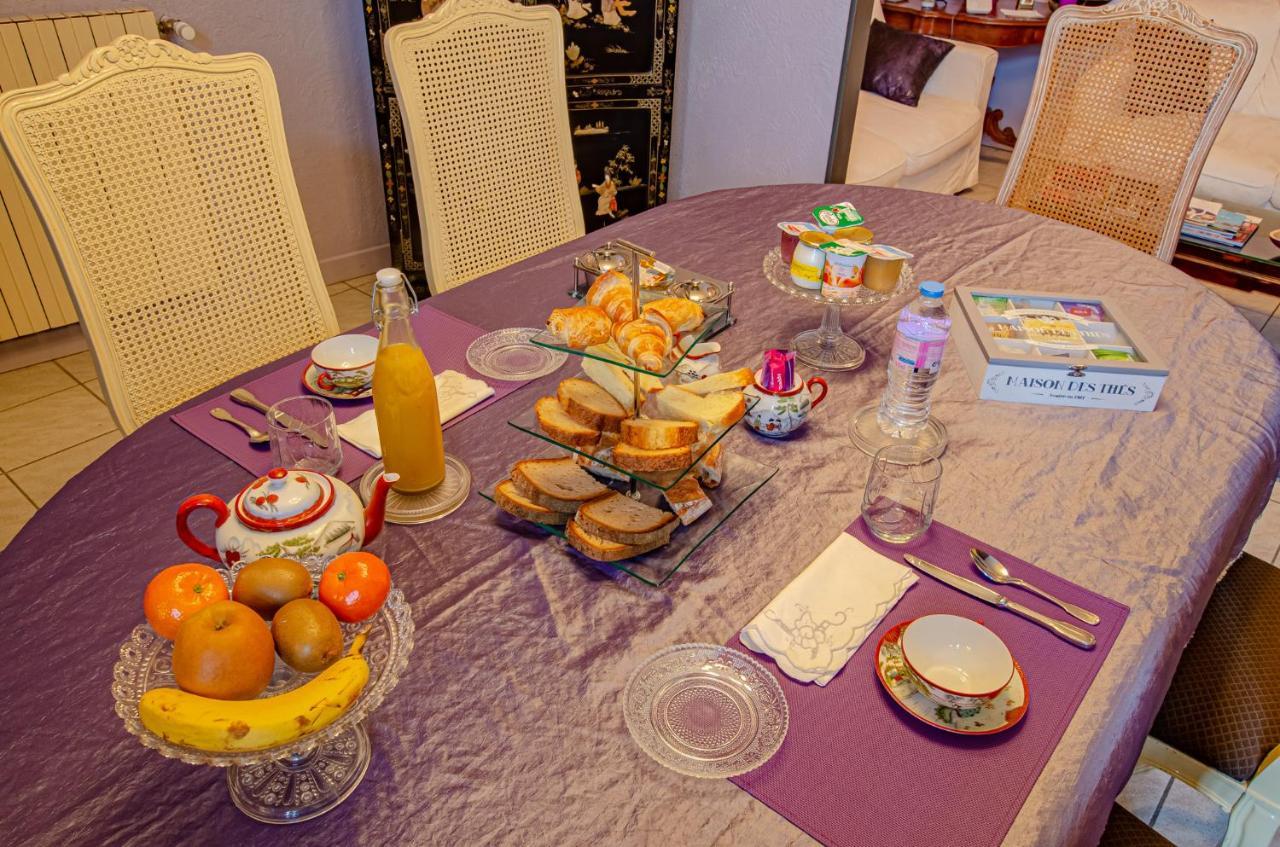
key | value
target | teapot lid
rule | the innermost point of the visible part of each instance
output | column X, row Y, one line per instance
column 284, row 499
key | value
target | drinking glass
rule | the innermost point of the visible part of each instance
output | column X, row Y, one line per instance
column 304, row 434
column 902, row 485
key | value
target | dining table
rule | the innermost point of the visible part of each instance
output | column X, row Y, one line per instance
column 506, row 727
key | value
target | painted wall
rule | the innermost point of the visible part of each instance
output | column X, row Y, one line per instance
column 1011, row 88
column 317, row 50
column 756, row 84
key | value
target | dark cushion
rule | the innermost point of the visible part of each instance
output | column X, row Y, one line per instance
column 900, row 63
column 1223, row 707
column 1126, row 830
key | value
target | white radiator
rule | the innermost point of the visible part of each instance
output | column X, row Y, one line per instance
column 33, row 295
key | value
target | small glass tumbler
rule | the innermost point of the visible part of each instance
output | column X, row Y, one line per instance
column 304, row 435
column 902, row 486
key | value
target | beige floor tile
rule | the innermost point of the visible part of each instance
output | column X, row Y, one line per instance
column 41, row 347
column 1271, row 332
column 991, row 173
column 1189, row 819
column 336, row 288
column 994, row 154
column 42, row 479
column 1264, row 540
column 982, row 193
column 15, row 511
column 80, row 366
column 45, row 426
column 352, row 308
column 1142, row 794
column 95, row 386
column 363, row 283
column 32, row 382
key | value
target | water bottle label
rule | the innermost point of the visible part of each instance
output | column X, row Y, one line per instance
column 919, row 355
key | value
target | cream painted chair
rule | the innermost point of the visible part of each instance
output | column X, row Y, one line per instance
column 163, row 180
column 481, row 90
column 1127, row 101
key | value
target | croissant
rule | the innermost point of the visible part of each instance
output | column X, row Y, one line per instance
column 680, row 314
column 612, row 292
column 647, row 341
column 580, row 326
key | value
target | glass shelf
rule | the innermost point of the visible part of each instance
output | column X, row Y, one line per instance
column 715, row 318
column 527, row 422
column 742, row 478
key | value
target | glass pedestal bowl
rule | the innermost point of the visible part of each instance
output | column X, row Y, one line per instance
column 309, row 776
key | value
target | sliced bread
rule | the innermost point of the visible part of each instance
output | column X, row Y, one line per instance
column 555, row 422
column 714, row 411
column 510, row 500
column 622, row 520
column 590, row 405
column 727, row 381
column 618, row 381
column 636, row 460
column 652, row 434
column 557, row 484
column 601, row 550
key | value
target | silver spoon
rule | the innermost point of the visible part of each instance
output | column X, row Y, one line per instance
column 245, row 397
column 994, row 570
column 255, row 436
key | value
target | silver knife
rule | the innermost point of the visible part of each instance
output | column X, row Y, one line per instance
column 1070, row 632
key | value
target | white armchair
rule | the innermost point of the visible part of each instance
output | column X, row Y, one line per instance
column 933, row 146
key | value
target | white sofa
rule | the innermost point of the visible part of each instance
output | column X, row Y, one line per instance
column 1244, row 163
column 933, row 146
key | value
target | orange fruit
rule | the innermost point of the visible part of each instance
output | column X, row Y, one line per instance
column 178, row 592
column 354, row 586
column 224, row 651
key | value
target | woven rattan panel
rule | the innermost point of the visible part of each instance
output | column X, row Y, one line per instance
column 1223, row 707
column 170, row 190
column 1124, row 105
column 484, row 103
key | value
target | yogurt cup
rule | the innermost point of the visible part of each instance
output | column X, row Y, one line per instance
column 809, row 260
column 842, row 273
column 884, row 267
column 791, row 232
column 856, row 234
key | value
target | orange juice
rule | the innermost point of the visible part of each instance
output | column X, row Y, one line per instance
column 404, row 402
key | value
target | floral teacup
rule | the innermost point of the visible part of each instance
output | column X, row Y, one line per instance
column 777, row 414
column 344, row 363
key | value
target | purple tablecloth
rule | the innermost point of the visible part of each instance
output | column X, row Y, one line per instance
column 506, row 727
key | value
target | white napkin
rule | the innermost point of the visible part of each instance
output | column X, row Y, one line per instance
column 814, row 624
column 455, row 392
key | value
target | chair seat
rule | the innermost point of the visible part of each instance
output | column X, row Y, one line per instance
column 1126, row 830
column 1223, row 707
column 927, row 133
column 874, row 161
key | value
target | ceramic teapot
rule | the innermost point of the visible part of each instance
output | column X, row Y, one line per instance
column 777, row 414
column 288, row 513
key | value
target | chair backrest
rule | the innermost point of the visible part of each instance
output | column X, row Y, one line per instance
column 163, row 181
column 481, row 90
column 1127, row 101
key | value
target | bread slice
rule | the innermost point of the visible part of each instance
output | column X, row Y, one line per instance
column 651, row 434
column 636, row 460
column 622, row 520
column 590, row 405
column 555, row 422
column 618, row 381
column 727, row 381
column 601, row 550
column 510, row 500
column 557, row 484
column 714, row 411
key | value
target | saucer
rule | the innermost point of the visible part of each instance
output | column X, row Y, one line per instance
column 317, row 383
column 998, row 714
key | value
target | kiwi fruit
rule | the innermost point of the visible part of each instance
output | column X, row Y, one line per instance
column 308, row 637
column 265, row 585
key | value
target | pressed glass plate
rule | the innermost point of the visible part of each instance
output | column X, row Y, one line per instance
column 715, row 319
column 507, row 354
column 705, row 710
column 741, row 479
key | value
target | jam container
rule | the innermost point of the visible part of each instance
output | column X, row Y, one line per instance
column 809, row 260
column 843, row 271
column 791, row 232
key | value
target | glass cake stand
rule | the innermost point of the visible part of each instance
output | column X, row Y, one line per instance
column 292, row 782
column 828, row 347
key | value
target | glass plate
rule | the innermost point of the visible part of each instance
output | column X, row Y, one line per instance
column 742, row 478
column 705, row 710
column 527, row 422
column 715, row 319
column 507, row 354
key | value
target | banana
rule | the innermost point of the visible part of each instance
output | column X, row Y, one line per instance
column 229, row 726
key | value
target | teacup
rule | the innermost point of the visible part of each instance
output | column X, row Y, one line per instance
column 959, row 663
column 346, row 361
column 777, row 414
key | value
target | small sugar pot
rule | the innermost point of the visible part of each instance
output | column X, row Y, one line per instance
column 778, row 412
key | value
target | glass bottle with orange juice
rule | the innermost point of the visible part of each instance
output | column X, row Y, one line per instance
column 404, row 390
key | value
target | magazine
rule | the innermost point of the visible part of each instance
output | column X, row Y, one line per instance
column 1206, row 220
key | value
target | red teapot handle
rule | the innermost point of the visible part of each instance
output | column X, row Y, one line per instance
column 201, row 501
column 818, row 381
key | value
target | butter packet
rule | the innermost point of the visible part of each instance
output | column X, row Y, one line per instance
column 838, row 216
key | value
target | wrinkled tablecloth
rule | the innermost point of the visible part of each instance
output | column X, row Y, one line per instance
column 506, row 727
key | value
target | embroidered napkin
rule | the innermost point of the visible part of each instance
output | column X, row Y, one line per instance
column 455, row 392
column 816, row 623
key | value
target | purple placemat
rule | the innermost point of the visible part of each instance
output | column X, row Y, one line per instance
column 445, row 340
column 856, row 769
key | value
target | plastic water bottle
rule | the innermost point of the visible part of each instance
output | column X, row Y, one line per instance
column 923, row 327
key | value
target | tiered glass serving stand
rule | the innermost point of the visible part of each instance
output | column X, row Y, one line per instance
column 292, row 782
column 828, row 347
